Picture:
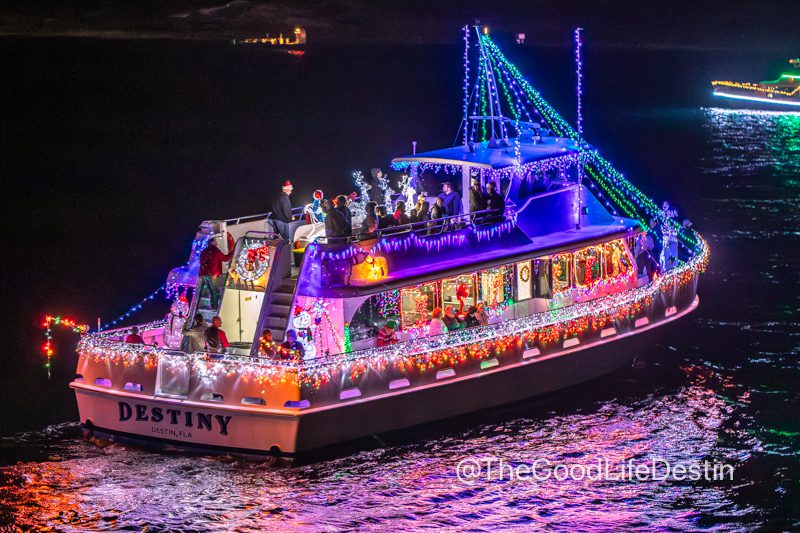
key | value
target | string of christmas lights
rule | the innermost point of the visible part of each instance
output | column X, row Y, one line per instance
column 57, row 320
column 456, row 347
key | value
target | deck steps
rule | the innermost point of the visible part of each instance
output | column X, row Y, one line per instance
column 279, row 308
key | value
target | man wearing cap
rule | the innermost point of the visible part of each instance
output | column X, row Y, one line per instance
column 477, row 198
column 495, row 202
column 282, row 210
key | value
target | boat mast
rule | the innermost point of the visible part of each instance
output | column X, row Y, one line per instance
column 579, row 95
column 490, row 84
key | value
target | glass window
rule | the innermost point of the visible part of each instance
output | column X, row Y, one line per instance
column 525, row 280
column 616, row 261
column 495, row 286
column 541, row 271
column 373, row 314
column 588, row 266
column 459, row 288
column 417, row 303
column 561, row 271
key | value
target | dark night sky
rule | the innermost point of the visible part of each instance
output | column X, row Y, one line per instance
column 729, row 24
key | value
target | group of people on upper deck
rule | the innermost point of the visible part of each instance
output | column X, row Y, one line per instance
column 338, row 216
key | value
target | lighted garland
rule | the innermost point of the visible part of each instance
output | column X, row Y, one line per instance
column 756, row 87
column 253, row 261
column 424, row 354
column 545, row 327
column 388, row 303
column 49, row 322
column 637, row 205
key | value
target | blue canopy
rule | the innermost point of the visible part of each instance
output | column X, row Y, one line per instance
column 495, row 158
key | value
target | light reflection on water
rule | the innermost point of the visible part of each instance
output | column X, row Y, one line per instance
column 747, row 141
column 83, row 486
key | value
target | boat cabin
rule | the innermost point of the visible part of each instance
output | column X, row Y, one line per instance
column 553, row 244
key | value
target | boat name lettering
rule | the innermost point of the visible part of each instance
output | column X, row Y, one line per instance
column 189, row 419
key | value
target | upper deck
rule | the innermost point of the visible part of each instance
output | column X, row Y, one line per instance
column 544, row 224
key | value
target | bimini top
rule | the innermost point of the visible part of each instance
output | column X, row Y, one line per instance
column 505, row 155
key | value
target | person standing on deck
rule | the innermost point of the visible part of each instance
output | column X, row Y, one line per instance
column 375, row 191
column 477, row 198
column 211, row 259
column 134, row 337
column 646, row 263
column 370, row 224
column 334, row 223
column 291, row 347
column 420, row 211
column 341, row 206
column 495, row 202
column 266, row 346
column 385, row 220
column 451, row 200
column 282, row 210
column 216, row 340
column 400, row 213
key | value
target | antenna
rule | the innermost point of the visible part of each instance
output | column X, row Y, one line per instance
column 579, row 97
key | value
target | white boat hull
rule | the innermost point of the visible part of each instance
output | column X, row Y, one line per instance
column 255, row 430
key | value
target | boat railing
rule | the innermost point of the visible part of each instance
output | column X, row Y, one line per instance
column 297, row 211
column 429, row 228
column 538, row 320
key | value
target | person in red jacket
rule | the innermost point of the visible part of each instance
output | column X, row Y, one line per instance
column 216, row 340
column 211, row 259
column 134, row 337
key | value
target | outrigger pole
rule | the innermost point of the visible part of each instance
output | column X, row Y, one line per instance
column 579, row 94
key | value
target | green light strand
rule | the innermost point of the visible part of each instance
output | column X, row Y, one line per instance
column 562, row 128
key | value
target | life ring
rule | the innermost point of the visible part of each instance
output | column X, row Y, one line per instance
column 230, row 242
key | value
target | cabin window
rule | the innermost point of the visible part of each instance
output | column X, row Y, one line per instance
column 417, row 303
column 495, row 285
column 616, row 261
column 561, row 266
column 588, row 266
column 458, row 289
column 542, row 282
column 370, row 317
column 524, row 270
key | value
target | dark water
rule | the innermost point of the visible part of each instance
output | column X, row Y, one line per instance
column 113, row 151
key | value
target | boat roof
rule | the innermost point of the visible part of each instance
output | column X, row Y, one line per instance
column 481, row 156
column 497, row 253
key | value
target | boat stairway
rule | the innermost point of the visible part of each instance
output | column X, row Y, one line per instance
column 204, row 308
column 279, row 307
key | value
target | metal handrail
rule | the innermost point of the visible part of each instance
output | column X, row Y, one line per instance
column 441, row 225
column 296, row 211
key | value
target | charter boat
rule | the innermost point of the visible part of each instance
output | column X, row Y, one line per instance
column 782, row 93
column 566, row 272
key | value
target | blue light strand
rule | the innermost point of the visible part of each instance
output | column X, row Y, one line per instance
column 136, row 307
column 579, row 79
